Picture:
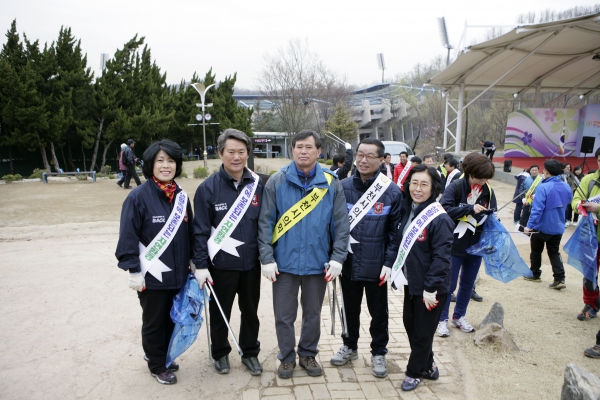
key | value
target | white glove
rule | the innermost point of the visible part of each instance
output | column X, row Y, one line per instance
column 429, row 299
column 333, row 269
column 136, row 281
column 524, row 201
column 348, row 146
column 270, row 271
column 192, row 267
column 385, row 275
column 203, row 275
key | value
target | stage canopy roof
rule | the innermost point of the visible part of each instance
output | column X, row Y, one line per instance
column 561, row 56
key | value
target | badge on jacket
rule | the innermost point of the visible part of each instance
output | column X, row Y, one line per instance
column 255, row 200
column 378, row 208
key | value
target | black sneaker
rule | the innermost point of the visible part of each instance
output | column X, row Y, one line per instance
column 557, row 285
column 410, row 384
column 432, row 373
column 173, row 367
column 120, row 184
column 452, row 298
column 311, row 366
column 166, row 378
column 286, row 370
column 593, row 352
column 222, row 365
column 253, row 365
column 532, row 278
column 476, row 297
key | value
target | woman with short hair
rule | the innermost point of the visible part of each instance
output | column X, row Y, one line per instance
column 427, row 270
column 468, row 202
column 158, row 260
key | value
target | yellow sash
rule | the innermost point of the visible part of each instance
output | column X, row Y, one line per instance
column 300, row 210
column 529, row 194
column 444, row 171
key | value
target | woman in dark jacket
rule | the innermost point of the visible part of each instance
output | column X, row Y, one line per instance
column 427, row 270
column 158, row 259
column 467, row 202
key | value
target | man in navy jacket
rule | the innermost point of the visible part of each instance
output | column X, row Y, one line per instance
column 547, row 216
column 235, row 267
column 373, row 252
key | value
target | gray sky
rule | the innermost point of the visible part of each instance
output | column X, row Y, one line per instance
column 233, row 36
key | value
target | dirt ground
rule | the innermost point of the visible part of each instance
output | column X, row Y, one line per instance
column 70, row 325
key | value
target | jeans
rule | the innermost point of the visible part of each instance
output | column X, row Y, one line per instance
column 468, row 266
column 377, row 303
column 518, row 209
column 553, row 247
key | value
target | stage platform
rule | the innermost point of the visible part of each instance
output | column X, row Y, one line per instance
column 526, row 162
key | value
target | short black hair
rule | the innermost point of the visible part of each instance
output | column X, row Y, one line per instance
column 427, row 156
column 436, row 182
column 554, row 167
column 231, row 133
column 130, row 141
column 386, row 154
column 453, row 162
column 305, row 134
column 172, row 149
column 448, row 156
column 404, row 152
column 597, row 153
column 338, row 158
column 376, row 142
column 416, row 159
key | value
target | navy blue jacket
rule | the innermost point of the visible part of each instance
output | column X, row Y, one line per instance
column 144, row 213
column 454, row 201
column 213, row 199
column 376, row 232
column 427, row 266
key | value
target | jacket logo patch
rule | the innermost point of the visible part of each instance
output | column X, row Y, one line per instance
column 423, row 236
column 255, row 200
column 221, row 207
column 158, row 219
column 185, row 218
column 378, row 208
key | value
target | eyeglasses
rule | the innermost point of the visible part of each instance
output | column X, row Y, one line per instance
column 369, row 157
column 422, row 185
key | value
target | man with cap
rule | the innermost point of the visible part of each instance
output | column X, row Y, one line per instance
column 546, row 223
column 129, row 159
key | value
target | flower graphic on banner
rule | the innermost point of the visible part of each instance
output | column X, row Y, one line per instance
column 564, row 123
column 550, row 115
column 527, row 138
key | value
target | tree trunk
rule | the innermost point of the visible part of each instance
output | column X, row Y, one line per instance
column 70, row 154
column 45, row 159
column 62, row 152
column 83, row 152
column 96, row 145
column 54, row 159
column 10, row 158
column 104, row 154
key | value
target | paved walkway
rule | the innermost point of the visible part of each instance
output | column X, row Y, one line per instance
column 355, row 380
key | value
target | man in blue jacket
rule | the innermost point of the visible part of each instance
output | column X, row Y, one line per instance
column 547, row 216
column 227, row 205
column 303, row 225
column 372, row 251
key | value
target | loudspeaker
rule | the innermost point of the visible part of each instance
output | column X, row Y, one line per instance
column 507, row 165
column 587, row 144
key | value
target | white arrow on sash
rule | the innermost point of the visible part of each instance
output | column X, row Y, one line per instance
column 156, row 268
column 351, row 241
column 228, row 245
column 470, row 224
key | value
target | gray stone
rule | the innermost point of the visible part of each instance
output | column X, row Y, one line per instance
column 495, row 315
column 494, row 334
column 580, row 384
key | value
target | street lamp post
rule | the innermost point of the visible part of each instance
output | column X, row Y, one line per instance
column 202, row 92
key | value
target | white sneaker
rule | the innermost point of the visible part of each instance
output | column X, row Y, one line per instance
column 344, row 355
column 567, row 224
column 379, row 367
column 575, row 223
column 442, row 329
column 462, row 324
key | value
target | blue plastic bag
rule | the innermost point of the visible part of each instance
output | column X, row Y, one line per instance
column 500, row 255
column 186, row 313
column 582, row 248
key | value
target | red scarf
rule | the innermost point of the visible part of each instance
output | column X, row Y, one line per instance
column 169, row 188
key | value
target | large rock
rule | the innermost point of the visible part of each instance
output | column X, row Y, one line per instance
column 495, row 315
column 492, row 333
column 580, row 384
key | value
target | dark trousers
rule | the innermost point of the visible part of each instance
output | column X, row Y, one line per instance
column 157, row 326
column 246, row 284
column 490, row 154
column 420, row 325
column 518, row 209
column 285, row 306
column 123, row 175
column 570, row 215
column 467, row 267
column 553, row 248
column 378, row 308
column 131, row 173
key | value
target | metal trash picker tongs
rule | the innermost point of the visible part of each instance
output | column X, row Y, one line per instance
column 333, row 304
column 214, row 295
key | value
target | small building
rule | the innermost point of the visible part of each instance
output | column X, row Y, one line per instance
column 270, row 144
